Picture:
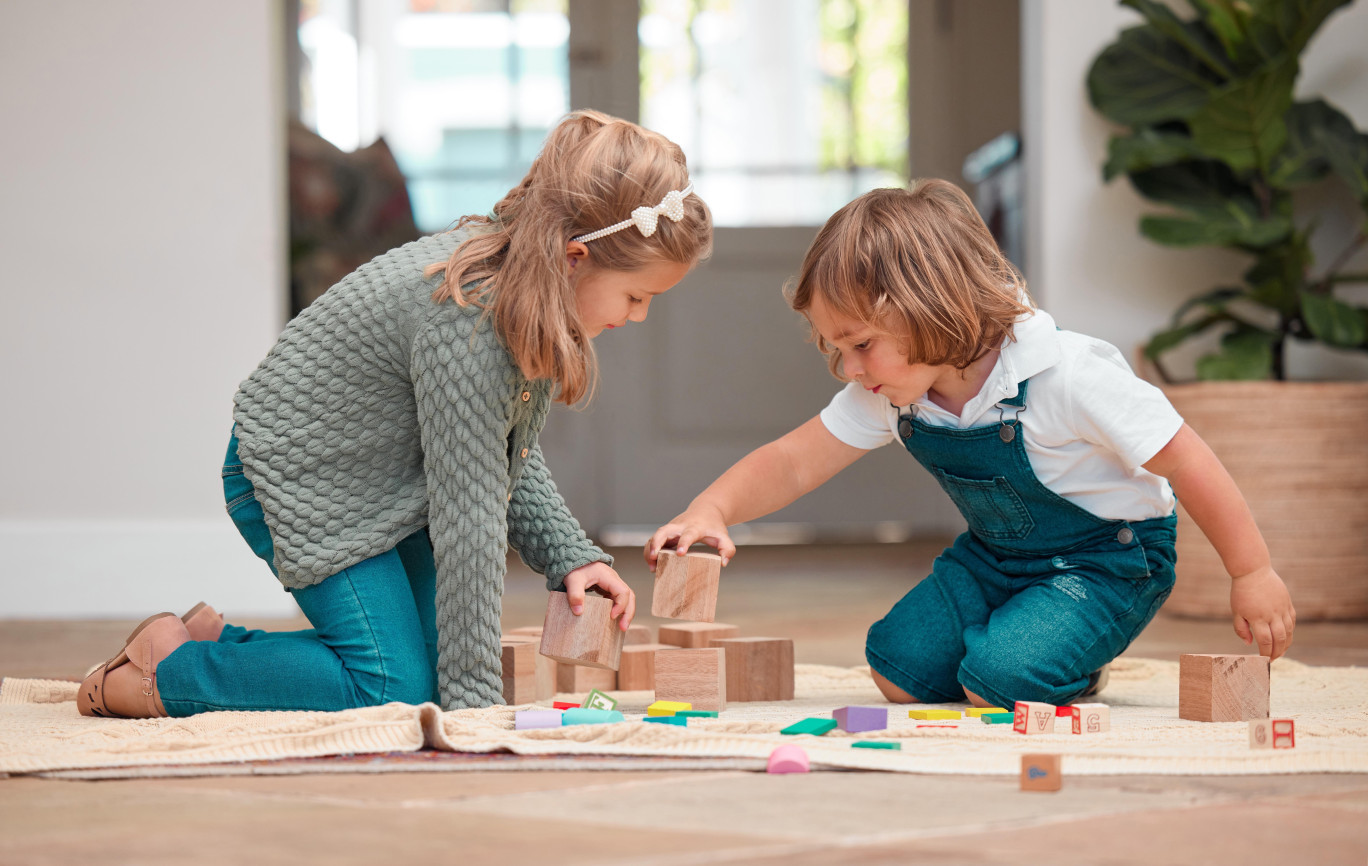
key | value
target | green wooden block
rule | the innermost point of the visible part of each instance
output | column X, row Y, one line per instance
column 810, row 726
column 875, row 744
column 997, row 718
column 678, row 720
column 597, row 700
column 700, row 714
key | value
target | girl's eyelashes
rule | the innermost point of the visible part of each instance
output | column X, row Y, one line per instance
column 860, row 347
column 634, row 299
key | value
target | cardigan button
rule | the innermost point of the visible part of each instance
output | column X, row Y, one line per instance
column 526, row 395
column 510, row 497
column 524, row 453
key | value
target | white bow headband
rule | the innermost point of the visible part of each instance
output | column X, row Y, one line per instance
column 644, row 218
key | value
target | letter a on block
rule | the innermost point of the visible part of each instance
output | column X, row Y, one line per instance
column 1034, row 717
column 686, row 586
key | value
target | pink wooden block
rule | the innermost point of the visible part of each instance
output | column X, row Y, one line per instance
column 788, row 759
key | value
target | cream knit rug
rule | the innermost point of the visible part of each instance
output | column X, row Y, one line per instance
column 41, row 732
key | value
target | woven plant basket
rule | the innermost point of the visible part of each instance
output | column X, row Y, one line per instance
column 1299, row 452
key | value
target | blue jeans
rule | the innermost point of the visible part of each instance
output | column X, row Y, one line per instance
column 373, row 641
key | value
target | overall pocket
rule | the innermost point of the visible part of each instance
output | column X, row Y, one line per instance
column 992, row 508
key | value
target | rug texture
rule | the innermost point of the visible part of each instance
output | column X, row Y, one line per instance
column 41, row 733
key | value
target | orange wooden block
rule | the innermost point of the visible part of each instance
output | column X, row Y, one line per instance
column 637, row 671
column 758, row 668
column 591, row 639
column 694, row 676
column 1040, row 772
column 546, row 667
column 695, row 635
column 1222, row 688
column 686, row 586
column 519, row 671
column 578, row 679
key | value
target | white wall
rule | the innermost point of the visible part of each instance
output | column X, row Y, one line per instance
column 142, row 234
column 1086, row 260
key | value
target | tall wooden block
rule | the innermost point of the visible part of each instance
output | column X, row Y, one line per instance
column 1272, row 734
column 696, row 676
column 636, row 635
column 519, row 671
column 695, row 635
column 1222, row 688
column 532, row 630
column 1090, row 718
column 758, row 668
column 1033, row 717
column 579, row 679
column 686, row 586
column 637, row 670
column 1040, row 772
column 546, row 667
column 591, row 639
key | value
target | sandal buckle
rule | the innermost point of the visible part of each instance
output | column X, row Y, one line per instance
column 147, row 686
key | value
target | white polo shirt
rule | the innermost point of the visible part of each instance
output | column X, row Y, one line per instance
column 1089, row 424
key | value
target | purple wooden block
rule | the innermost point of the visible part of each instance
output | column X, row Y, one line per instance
column 856, row 719
column 526, row 719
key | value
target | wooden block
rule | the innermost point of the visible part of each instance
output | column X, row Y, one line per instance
column 637, row 635
column 519, row 671
column 667, row 708
column 695, row 635
column 636, row 670
column 978, row 711
column 1040, row 772
column 876, row 744
column 1222, row 688
column 997, row 718
column 597, row 700
column 686, row 586
column 676, row 719
column 1033, row 717
column 563, row 705
column 1272, row 734
column 758, row 668
column 546, row 667
column 816, row 727
column 585, row 716
column 698, row 676
column 697, row 714
column 591, row 639
column 856, row 719
column 524, row 720
column 578, row 679
column 787, row 759
column 1090, row 718
column 530, row 630
column 931, row 715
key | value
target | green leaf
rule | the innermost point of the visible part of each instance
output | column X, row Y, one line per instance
column 1334, row 322
column 1222, row 208
column 1191, row 36
column 1286, row 26
column 1147, row 148
column 1302, row 159
column 1145, row 78
column 1214, row 300
column 1227, row 19
column 1247, row 353
column 1242, row 125
column 1165, row 340
column 1277, row 275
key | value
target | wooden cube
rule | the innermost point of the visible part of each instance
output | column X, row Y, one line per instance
column 519, row 672
column 1272, row 734
column 1033, row 717
column 856, row 719
column 637, row 635
column 1090, row 718
column 758, row 668
column 546, row 667
column 531, row 630
column 592, row 638
column 1222, row 688
column 696, row 676
column 695, row 635
column 686, row 586
column 637, row 669
column 579, row 679
column 1040, row 772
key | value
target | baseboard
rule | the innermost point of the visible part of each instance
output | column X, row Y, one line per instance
column 92, row 569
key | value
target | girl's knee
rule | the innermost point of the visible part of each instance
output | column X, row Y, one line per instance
column 1002, row 679
column 890, row 691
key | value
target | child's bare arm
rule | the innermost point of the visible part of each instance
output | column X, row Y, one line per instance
column 1259, row 602
column 763, row 481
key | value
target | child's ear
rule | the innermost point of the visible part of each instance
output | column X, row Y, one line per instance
column 576, row 253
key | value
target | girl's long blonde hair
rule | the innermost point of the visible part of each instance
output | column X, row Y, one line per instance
column 592, row 172
column 920, row 262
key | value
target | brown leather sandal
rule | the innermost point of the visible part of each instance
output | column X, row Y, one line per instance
column 125, row 687
column 203, row 622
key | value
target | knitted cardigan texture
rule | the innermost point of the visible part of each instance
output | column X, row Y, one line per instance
column 379, row 412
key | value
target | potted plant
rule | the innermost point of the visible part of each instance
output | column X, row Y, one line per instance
column 1213, row 132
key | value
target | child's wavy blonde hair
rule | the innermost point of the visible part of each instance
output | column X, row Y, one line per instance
column 918, row 263
column 593, row 170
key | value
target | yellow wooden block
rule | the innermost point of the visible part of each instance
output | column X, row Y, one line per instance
column 667, row 708
column 978, row 711
column 934, row 714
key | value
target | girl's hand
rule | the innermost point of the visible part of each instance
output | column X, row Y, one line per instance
column 600, row 577
column 1262, row 611
column 699, row 523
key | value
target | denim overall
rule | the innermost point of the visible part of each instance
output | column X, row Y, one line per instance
column 1037, row 595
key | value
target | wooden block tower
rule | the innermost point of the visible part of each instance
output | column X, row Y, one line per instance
column 758, row 668
column 695, row 676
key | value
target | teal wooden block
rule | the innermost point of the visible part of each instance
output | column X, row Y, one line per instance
column 681, row 721
column 876, row 744
column 997, row 718
column 698, row 714
column 581, row 716
column 810, row 726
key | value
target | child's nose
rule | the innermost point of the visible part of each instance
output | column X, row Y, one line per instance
column 638, row 314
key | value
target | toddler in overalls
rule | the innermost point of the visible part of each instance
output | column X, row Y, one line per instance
column 1062, row 462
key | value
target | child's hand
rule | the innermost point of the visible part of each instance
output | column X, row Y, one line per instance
column 695, row 525
column 602, row 579
column 1263, row 611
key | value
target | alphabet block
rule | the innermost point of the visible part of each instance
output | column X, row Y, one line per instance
column 578, row 679
column 1040, row 772
column 597, row 700
column 636, row 671
column 1222, row 688
column 695, row 635
column 932, row 715
column 686, row 586
column 758, row 668
column 591, row 639
column 787, row 759
column 1033, row 717
column 698, row 676
column 519, row 671
column 1090, row 718
column 1272, row 734
column 546, row 667
column 856, row 719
